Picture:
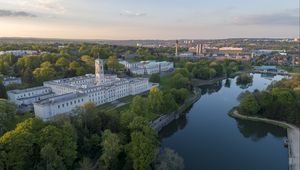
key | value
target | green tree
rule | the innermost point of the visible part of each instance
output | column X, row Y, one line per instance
column 112, row 63
column 62, row 62
column 169, row 103
column 86, row 164
column 155, row 78
column 18, row 149
column 179, row 81
column 50, row 159
column 3, row 93
column 44, row 73
column 111, row 148
column 139, row 106
column 142, row 150
column 155, row 101
column 74, row 65
column 62, row 140
column 7, row 116
column 249, row 105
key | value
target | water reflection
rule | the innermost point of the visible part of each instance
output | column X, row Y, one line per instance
column 175, row 126
column 258, row 130
column 211, row 88
column 227, row 83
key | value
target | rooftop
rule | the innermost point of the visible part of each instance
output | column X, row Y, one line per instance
column 28, row 90
column 60, row 98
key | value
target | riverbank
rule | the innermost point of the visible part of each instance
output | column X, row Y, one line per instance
column 164, row 120
column 293, row 134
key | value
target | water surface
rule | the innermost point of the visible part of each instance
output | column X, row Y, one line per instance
column 207, row 138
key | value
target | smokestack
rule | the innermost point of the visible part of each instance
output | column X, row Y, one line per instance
column 177, row 46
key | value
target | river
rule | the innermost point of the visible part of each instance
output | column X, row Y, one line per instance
column 207, row 138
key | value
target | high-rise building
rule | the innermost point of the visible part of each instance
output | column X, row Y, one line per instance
column 199, row 49
column 177, row 47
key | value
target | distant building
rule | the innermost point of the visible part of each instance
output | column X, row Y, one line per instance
column 230, row 50
column 20, row 53
column 267, row 52
column 176, row 48
column 11, row 80
column 266, row 68
column 148, row 67
column 198, row 50
column 189, row 56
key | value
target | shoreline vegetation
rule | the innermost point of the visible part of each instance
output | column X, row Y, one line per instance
column 293, row 133
column 277, row 105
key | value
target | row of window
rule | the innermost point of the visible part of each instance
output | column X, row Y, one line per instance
column 70, row 103
column 34, row 93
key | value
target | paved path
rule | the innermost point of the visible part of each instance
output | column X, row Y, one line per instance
column 293, row 133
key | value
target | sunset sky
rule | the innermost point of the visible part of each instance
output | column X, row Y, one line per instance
column 149, row 19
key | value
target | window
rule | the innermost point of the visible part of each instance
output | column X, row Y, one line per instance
column 58, row 106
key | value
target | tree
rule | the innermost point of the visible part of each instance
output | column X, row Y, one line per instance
column 86, row 164
column 142, row 150
column 61, row 140
column 179, row 81
column 139, row 106
column 44, row 73
column 111, row 148
column 113, row 63
column 62, row 62
column 138, row 124
column 17, row 149
column 88, row 60
column 74, row 65
column 249, row 105
column 89, row 106
column 155, row 78
column 3, row 93
column 50, row 159
column 155, row 101
column 169, row 160
column 244, row 78
column 7, row 116
column 127, row 117
column 169, row 103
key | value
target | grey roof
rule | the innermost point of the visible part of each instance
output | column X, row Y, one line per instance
column 60, row 98
column 28, row 90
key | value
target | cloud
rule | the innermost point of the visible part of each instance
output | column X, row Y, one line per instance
column 132, row 14
column 8, row 13
column 54, row 6
column 288, row 17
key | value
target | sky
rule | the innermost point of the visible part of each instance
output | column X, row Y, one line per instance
column 149, row 19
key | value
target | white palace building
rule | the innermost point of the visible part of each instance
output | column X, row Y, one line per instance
column 62, row 96
column 148, row 67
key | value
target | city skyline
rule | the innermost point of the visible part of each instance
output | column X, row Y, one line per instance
column 141, row 19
